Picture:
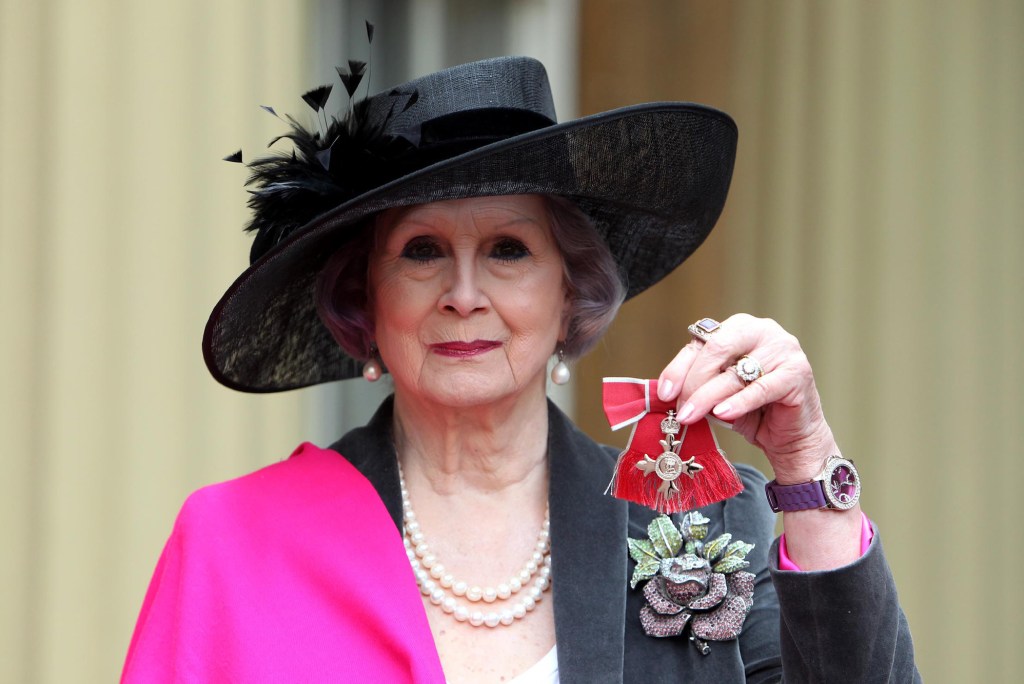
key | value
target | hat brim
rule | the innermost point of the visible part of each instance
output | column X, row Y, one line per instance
column 653, row 178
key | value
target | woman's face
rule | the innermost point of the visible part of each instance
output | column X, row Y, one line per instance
column 468, row 297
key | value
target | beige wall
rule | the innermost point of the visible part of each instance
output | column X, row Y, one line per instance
column 877, row 212
column 119, row 226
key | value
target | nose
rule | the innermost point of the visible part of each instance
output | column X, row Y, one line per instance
column 462, row 292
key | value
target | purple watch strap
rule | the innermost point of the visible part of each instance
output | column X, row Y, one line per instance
column 798, row 497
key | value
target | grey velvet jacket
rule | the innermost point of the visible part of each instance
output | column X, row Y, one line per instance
column 844, row 625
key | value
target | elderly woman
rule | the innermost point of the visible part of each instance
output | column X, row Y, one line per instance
column 450, row 232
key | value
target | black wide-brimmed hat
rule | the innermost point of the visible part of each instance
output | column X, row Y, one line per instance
column 653, row 178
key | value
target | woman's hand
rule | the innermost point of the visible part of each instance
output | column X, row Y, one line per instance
column 779, row 412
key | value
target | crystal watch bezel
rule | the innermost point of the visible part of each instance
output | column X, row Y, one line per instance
column 828, row 471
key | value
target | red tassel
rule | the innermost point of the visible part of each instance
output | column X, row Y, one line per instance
column 657, row 469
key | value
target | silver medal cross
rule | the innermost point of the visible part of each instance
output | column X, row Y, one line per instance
column 669, row 465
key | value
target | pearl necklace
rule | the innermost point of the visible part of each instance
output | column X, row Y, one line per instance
column 436, row 583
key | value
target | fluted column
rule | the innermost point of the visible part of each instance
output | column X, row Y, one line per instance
column 119, row 228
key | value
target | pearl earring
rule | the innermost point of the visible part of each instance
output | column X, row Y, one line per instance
column 560, row 373
column 371, row 369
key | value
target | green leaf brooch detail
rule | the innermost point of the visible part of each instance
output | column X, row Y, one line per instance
column 690, row 582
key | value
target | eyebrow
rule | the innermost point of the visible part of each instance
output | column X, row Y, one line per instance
column 517, row 221
column 514, row 220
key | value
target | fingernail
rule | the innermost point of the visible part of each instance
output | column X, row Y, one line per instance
column 722, row 409
column 664, row 389
column 686, row 411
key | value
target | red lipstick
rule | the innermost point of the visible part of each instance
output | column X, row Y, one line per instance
column 464, row 349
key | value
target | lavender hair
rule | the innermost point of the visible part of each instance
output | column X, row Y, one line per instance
column 592, row 280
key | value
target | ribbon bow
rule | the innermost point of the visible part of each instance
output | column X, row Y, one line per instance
column 658, row 469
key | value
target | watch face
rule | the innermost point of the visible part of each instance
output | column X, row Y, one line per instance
column 842, row 486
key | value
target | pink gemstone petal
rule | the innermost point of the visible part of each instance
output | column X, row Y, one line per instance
column 741, row 584
column 658, row 601
column 716, row 592
column 684, row 592
column 723, row 623
column 660, row 625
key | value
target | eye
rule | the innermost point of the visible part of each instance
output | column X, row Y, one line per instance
column 509, row 250
column 421, row 248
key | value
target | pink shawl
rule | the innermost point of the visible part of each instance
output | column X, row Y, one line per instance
column 293, row 573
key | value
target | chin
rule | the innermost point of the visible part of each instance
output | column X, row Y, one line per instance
column 466, row 389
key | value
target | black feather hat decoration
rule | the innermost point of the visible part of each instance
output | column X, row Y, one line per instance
column 317, row 97
column 351, row 78
column 326, row 167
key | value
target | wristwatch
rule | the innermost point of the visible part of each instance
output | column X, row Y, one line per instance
column 837, row 487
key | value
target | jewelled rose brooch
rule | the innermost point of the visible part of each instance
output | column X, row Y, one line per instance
column 692, row 583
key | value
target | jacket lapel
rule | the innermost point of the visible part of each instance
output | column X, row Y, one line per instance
column 588, row 562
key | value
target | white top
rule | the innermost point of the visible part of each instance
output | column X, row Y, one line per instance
column 544, row 671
